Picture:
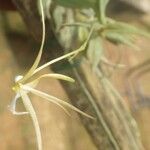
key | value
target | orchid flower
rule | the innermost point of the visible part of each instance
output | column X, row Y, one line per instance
column 27, row 84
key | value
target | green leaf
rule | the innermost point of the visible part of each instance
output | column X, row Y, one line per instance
column 77, row 3
column 111, row 64
column 82, row 33
column 95, row 51
column 126, row 28
column 118, row 38
column 102, row 10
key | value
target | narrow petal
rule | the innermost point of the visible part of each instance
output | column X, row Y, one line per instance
column 71, row 54
column 28, row 89
column 54, row 100
column 30, row 109
column 38, row 58
column 51, row 75
column 57, row 76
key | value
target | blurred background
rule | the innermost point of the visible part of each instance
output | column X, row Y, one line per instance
column 18, row 49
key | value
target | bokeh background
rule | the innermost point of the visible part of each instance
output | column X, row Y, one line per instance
column 59, row 131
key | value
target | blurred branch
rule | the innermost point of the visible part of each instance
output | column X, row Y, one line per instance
column 29, row 12
column 6, row 5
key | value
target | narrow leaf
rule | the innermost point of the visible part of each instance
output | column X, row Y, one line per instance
column 107, row 62
column 95, row 51
column 118, row 38
column 102, row 10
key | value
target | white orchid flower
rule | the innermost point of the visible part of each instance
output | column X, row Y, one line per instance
column 24, row 85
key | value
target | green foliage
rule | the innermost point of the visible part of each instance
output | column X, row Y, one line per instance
column 118, row 38
column 122, row 33
column 104, row 28
column 27, row 84
column 95, row 51
column 77, row 3
column 93, row 34
column 102, row 10
column 99, row 6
